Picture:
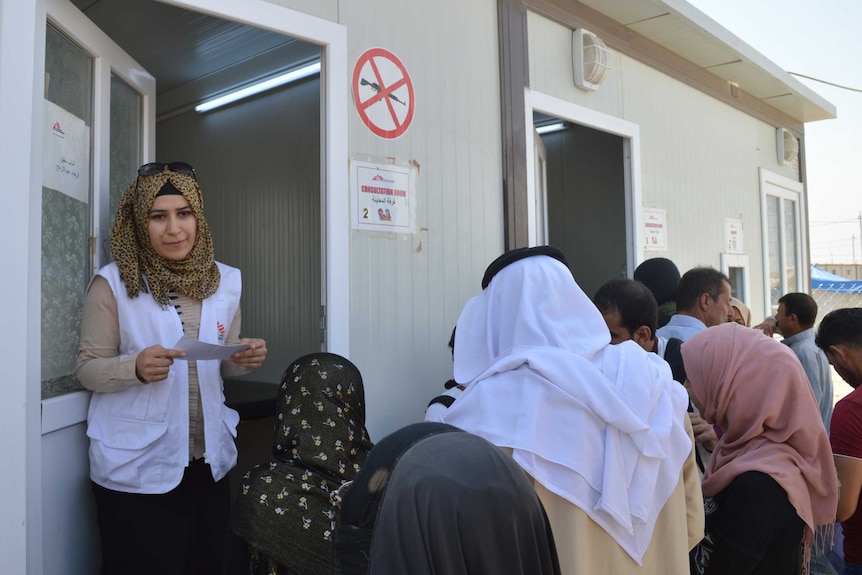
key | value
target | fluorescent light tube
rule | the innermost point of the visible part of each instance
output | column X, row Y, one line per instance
column 275, row 82
column 548, row 128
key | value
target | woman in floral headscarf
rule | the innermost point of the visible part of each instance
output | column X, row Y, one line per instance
column 161, row 438
column 287, row 509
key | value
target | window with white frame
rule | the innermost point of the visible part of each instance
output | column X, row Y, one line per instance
column 783, row 268
column 95, row 121
column 735, row 266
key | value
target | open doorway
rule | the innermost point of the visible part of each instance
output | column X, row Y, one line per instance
column 585, row 198
column 273, row 176
column 583, row 187
column 258, row 160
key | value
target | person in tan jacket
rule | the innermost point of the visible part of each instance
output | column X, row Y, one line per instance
column 600, row 429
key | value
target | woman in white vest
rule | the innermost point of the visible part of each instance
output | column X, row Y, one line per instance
column 161, row 438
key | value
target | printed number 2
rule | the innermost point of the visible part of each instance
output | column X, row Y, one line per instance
column 364, row 213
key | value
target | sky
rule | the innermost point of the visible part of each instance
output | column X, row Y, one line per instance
column 823, row 39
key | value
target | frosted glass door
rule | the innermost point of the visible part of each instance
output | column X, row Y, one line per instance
column 66, row 207
column 98, row 127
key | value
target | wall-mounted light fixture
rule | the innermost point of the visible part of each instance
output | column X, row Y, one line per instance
column 590, row 59
column 548, row 128
column 786, row 146
column 257, row 88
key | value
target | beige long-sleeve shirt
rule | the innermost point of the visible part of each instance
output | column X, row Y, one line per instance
column 585, row 548
column 101, row 368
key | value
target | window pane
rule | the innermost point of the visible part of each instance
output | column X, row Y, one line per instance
column 126, row 130
column 790, row 244
column 773, row 233
column 66, row 214
column 68, row 75
column 737, row 283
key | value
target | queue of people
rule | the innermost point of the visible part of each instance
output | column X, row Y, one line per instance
column 738, row 516
column 569, row 444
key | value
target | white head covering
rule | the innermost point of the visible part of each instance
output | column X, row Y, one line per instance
column 599, row 425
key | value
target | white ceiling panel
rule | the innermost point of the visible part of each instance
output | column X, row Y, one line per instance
column 180, row 47
column 684, row 30
column 685, row 41
column 625, row 11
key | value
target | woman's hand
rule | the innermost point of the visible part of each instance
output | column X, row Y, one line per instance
column 252, row 357
column 154, row 363
column 704, row 433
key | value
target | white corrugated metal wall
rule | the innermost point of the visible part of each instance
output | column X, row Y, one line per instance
column 699, row 161
column 550, row 47
column 699, row 156
column 407, row 291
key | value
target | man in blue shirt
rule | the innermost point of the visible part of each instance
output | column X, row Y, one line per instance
column 702, row 301
column 795, row 318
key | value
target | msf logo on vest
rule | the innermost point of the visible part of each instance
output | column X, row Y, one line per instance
column 221, row 331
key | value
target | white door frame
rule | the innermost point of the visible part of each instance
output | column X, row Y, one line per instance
column 21, row 165
column 67, row 410
column 332, row 39
column 22, row 56
column 63, row 440
column 630, row 133
column 44, row 417
column 537, row 212
column 108, row 58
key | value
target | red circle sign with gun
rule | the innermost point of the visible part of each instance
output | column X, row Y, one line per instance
column 383, row 93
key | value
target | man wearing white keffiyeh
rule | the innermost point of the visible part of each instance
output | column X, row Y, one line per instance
column 601, row 429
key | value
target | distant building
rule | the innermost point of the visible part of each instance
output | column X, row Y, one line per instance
column 848, row 271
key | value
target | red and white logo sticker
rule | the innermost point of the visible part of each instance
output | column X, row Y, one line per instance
column 383, row 93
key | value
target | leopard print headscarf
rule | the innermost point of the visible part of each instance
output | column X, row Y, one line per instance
column 141, row 268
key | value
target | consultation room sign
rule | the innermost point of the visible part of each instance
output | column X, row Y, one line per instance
column 384, row 197
column 655, row 229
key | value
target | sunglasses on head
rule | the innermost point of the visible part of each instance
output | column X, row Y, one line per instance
column 154, row 168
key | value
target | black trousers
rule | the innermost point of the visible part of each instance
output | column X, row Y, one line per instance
column 181, row 532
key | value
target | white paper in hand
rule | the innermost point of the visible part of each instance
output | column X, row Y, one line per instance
column 198, row 350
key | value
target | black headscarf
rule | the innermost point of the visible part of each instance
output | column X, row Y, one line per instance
column 286, row 510
column 435, row 500
column 661, row 276
column 512, row 256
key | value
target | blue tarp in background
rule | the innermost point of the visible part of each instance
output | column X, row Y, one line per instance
column 823, row 280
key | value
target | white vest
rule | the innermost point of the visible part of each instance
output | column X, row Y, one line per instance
column 139, row 437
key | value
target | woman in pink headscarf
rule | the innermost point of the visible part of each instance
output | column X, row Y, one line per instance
column 771, row 481
column 741, row 312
